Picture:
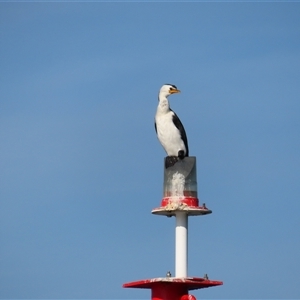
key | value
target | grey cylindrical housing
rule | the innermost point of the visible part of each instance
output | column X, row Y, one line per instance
column 180, row 180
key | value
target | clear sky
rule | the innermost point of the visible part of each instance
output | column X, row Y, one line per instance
column 81, row 167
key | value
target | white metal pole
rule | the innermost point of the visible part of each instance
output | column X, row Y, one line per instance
column 181, row 244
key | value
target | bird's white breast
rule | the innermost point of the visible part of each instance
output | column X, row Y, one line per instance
column 168, row 134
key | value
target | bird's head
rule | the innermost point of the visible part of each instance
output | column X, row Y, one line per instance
column 167, row 90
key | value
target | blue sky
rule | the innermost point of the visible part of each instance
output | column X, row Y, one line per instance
column 81, row 167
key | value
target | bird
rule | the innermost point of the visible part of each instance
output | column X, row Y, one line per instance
column 169, row 129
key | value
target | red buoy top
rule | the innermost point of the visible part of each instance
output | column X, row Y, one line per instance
column 171, row 288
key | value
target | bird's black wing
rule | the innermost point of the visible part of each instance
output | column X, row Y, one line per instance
column 155, row 126
column 180, row 127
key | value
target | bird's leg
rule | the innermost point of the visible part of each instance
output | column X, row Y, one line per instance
column 181, row 154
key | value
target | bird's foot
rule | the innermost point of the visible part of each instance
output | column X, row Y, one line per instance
column 170, row 161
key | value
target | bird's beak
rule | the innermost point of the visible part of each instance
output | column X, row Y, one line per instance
column 174, row 91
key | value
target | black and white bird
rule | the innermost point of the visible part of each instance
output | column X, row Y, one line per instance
column 169, row 128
